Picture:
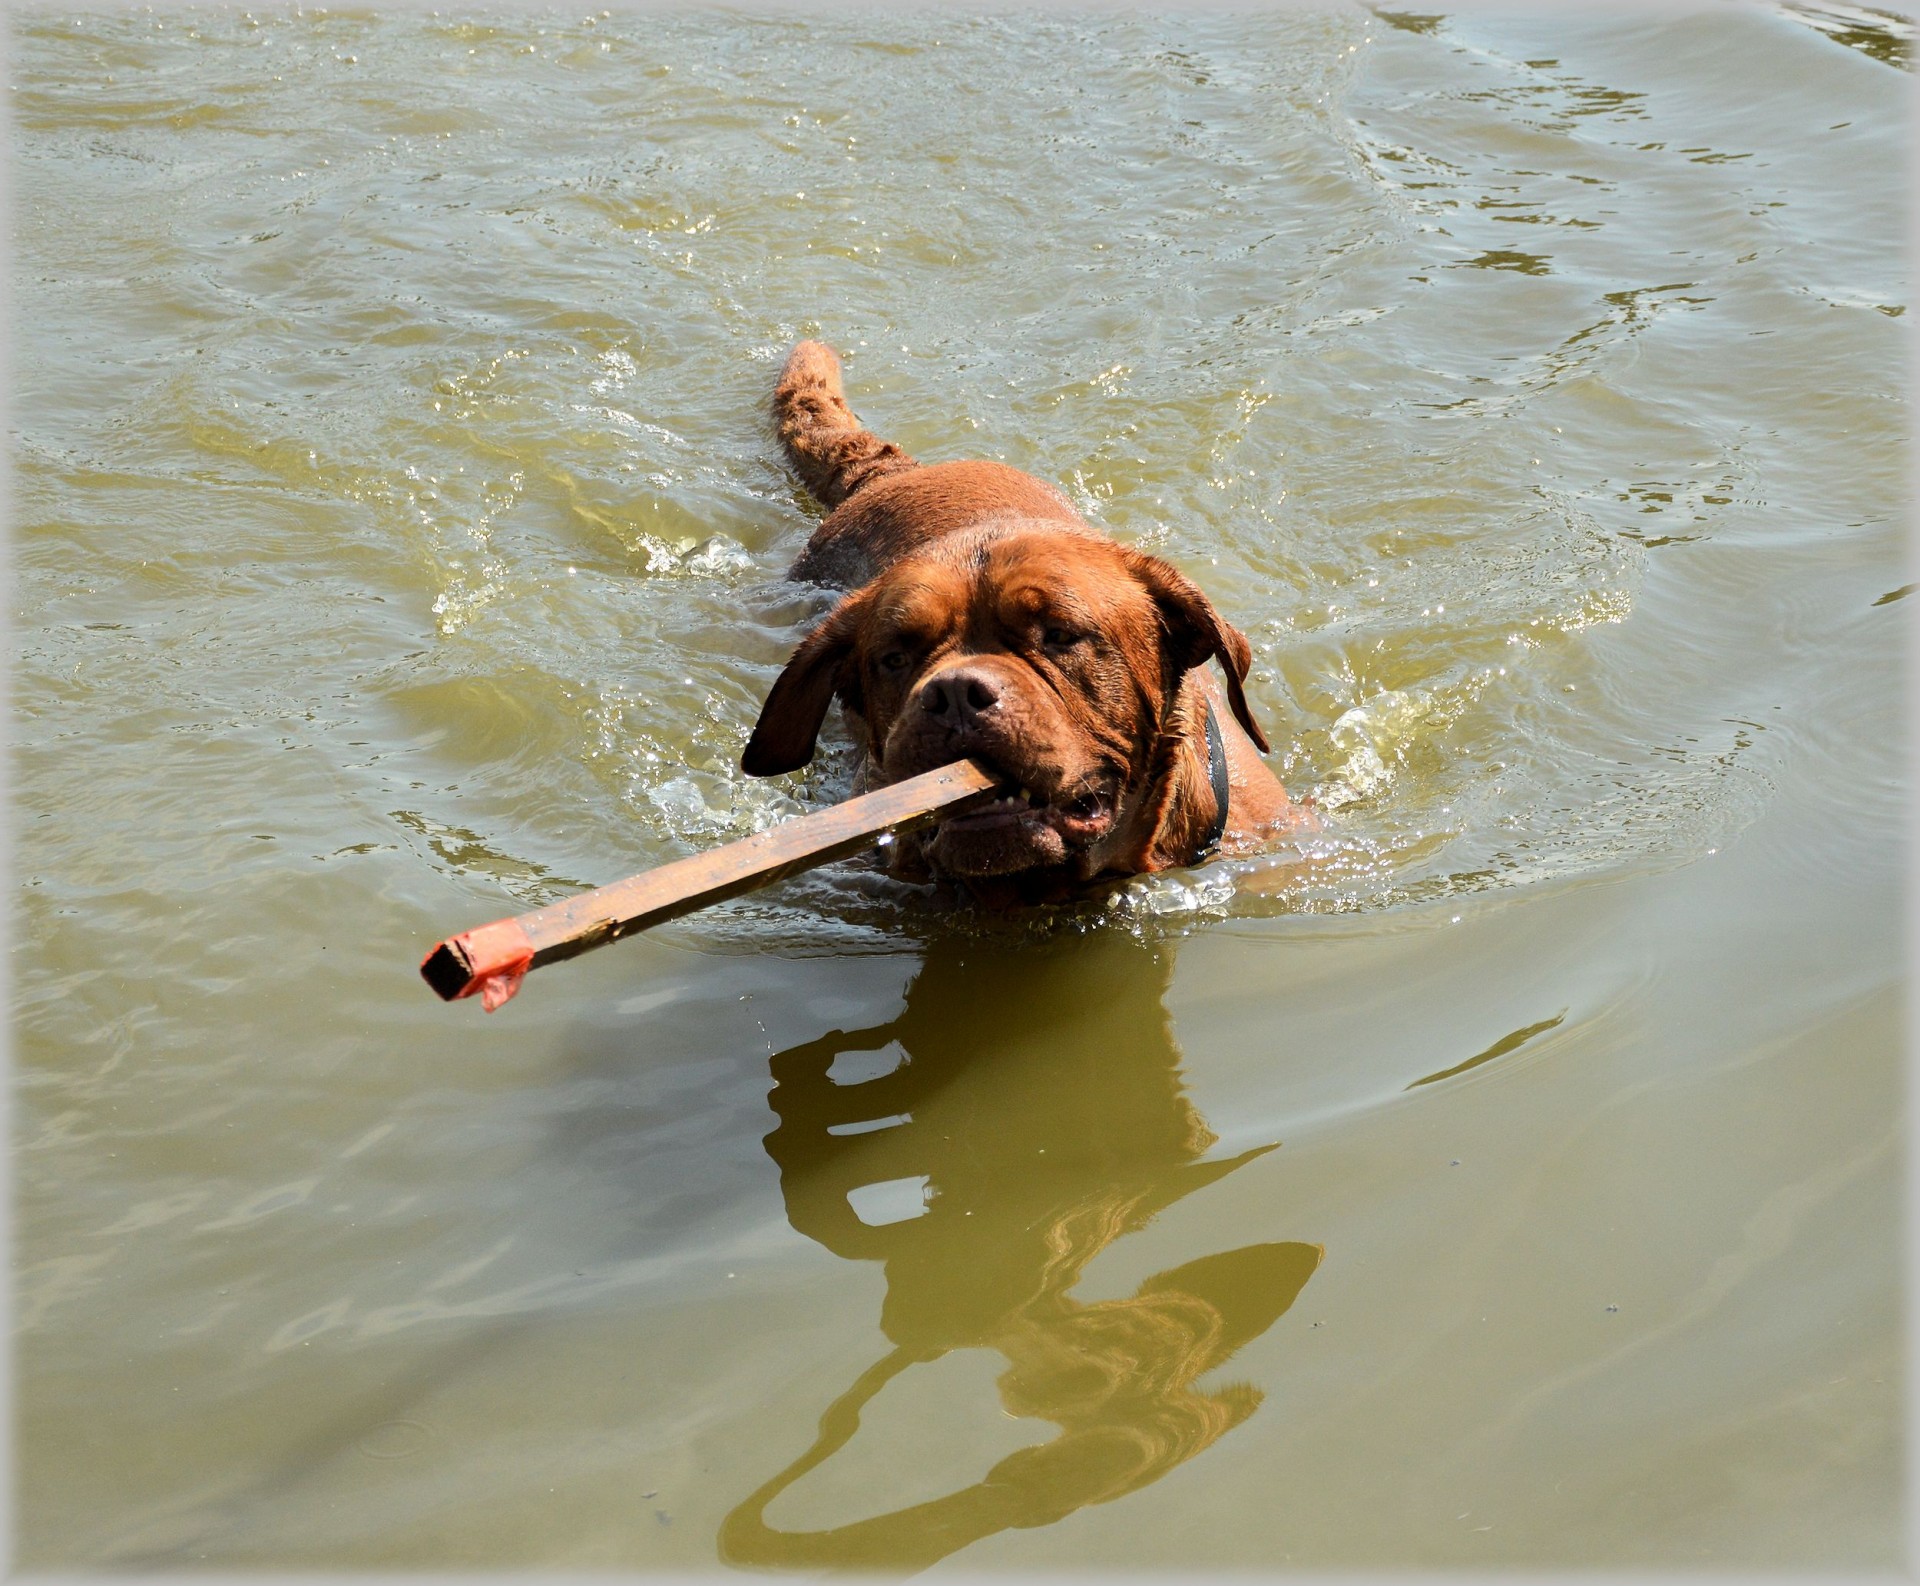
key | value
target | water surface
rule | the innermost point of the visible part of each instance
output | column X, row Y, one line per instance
column 1508, row 1174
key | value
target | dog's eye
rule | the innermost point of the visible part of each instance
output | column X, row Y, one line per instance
column 893, row 660
column 1057, row 638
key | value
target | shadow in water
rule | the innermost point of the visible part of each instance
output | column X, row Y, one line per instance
column 1031, row 1094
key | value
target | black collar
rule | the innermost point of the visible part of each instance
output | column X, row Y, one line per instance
column 1217, row 770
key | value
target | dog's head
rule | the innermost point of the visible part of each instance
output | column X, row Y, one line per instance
column 1054, row 657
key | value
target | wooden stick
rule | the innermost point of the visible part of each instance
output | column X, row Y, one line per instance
column 494, row 959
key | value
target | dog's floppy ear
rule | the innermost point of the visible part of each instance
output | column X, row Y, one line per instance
column 1196, row 631
column 797, row 704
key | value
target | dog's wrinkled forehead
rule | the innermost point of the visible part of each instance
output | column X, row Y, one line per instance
column 993, row 590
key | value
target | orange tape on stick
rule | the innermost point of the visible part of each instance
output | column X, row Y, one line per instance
column 490, row 959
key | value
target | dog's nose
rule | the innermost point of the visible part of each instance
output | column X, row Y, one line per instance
column 960, row 696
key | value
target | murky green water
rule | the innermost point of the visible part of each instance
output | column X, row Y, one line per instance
column 1509, row 1175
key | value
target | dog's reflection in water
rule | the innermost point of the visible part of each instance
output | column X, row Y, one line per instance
column 1037, row 1091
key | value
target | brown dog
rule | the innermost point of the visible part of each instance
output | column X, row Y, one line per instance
column 987, row 618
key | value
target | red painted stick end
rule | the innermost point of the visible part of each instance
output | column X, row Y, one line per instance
column 490, row 959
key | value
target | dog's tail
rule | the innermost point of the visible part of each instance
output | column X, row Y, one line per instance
column 833, row 453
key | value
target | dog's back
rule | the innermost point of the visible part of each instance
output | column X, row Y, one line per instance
column 882, row 502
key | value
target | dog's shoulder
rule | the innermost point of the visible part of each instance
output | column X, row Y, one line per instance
column 905, row 512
